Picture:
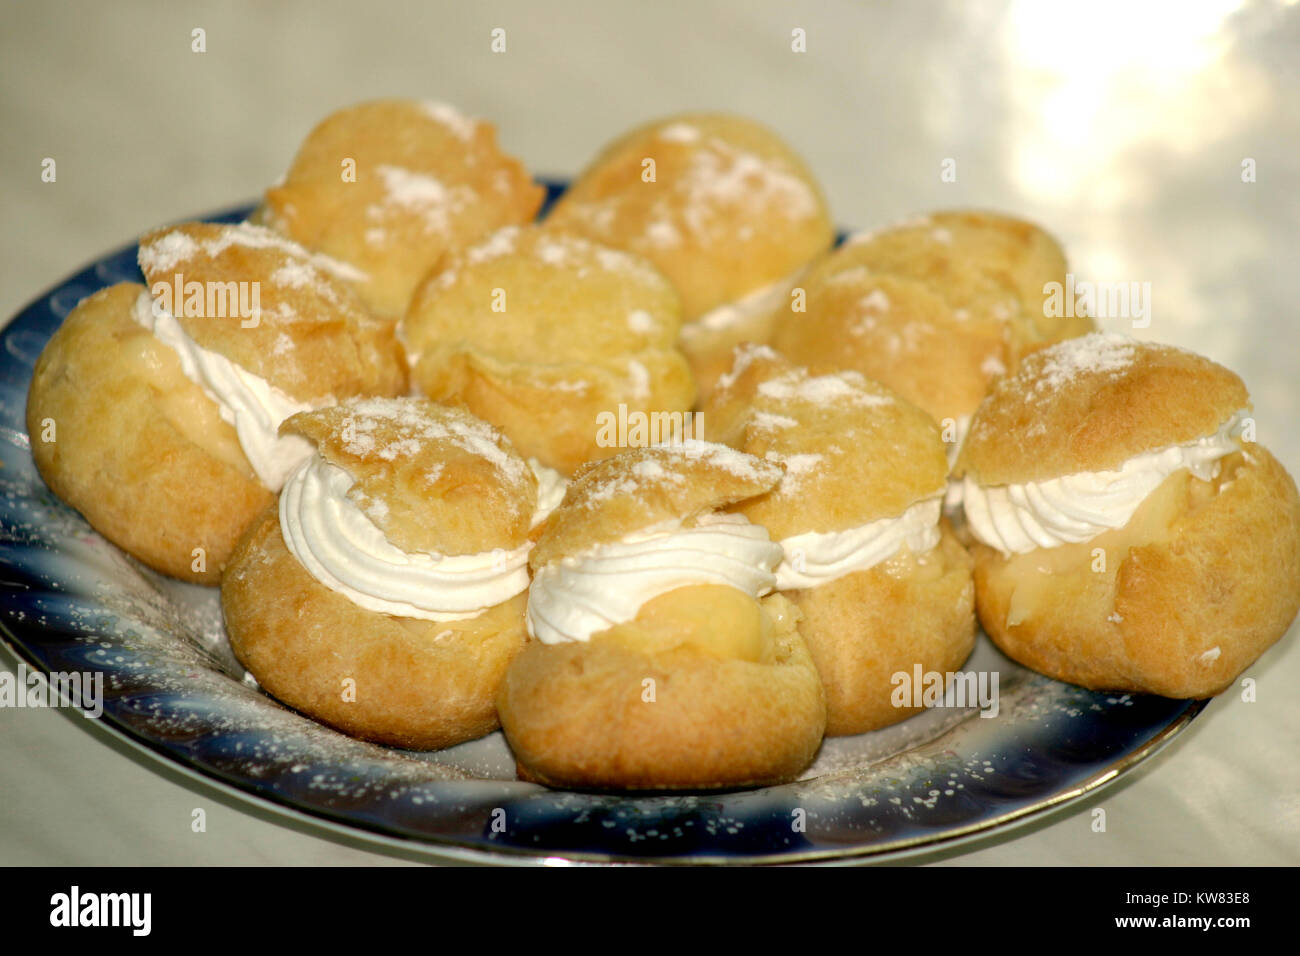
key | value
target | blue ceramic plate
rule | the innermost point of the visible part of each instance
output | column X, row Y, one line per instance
column 73, row 602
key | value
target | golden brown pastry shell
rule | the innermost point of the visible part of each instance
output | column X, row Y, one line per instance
column 644, row 487
column 575, row 716
column 120, row 460
column 865, row 627
column 422, row 685
column 317, row 207
column 1226, row 575
column 749, row 247
column 313, row 340
column 1031, row 427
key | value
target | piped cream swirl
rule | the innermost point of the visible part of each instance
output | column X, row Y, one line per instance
column 1019, row 518
column 347, row 552
column 578, row 596
column 250, row 403
column 817, row 558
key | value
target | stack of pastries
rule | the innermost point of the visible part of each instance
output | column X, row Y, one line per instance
column 663, row 485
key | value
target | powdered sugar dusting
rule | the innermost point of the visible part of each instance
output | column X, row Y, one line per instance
column 1100, row 353
column 165, row 252
column 768, row 421
column 563, row 250
column 553, row 253
column 296, row 275
column 639, row 379
column 653, row 470
column 729, row 175
column 411, row 189
column 664, row 463
column 679, row 133
column 640, row 321
column 993, row 366
column 745, row 356
column 612, row 260
column 500, row 243
column 877, row 301
column 909, row 222
column 721, row 177
column 250, row 236
column 724, row 457
column 461, row 125
column 557, row 250
column 412, row 193
column 662, row 233
column 797, row 467
column 845, row 276
column 391, row 428
column 375, row 508
column 720, row 191
column 798, row 386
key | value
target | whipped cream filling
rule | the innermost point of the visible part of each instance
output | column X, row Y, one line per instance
column 761, row 301
column 578, row 596
column 347, row 552
column 820, row 557
column 1017, row 519
column 551, row 486
column 250, row 403
column 961, row 428
column 953, row 496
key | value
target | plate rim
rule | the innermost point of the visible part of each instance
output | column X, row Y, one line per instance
column 505, row 855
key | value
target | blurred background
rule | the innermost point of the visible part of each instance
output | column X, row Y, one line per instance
column 1158, row 141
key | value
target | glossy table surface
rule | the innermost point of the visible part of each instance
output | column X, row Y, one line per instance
column 1160, row 149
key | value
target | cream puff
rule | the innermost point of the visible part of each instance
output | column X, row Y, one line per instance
column 656, row 661
column 390, row 186
column 543, row 334
column 1131, row 535
column 882, row 584
column 385, row 594
column 154, row 410
column 935, row 309
column 720, row 204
